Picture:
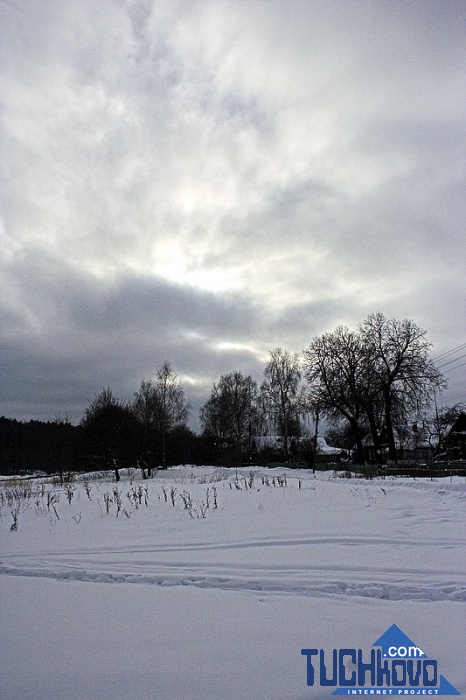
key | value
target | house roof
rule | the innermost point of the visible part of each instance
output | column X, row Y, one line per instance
column 459, row 426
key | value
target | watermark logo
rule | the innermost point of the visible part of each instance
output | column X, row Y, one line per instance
column 394, row 666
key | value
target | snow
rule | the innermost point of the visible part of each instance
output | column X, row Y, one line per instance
column 216, row 601
column 323, row 448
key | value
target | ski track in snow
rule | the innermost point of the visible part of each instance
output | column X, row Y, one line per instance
column 152, row 565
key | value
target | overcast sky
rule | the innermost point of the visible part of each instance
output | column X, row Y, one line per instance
column 205, row 180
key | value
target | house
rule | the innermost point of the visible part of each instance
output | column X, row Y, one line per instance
column 411, row 448
column 455, row 440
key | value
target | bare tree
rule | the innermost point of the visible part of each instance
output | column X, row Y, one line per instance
column 146, row 409
column 110, row 431
column 232, row 413
column 161, row 408
column 436, row 428
column 335, row 365
column 63, row 442
column 379, row 376
column 402, row 371
column 283, row 395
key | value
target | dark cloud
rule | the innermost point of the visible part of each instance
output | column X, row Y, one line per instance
column 76, row 334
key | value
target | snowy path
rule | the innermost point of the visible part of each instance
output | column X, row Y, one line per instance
column 387, row 568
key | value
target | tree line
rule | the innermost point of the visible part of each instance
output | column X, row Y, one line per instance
column 376, row 380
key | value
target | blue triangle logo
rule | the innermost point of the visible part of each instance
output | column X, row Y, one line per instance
column 396, row 645
column 446, row 688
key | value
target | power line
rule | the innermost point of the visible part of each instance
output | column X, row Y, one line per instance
column 451, row 369
column 449, row 352
column 450, row 362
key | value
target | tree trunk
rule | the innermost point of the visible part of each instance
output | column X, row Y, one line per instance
column 360, row 457
column 374, row 433
column 389, row 426
column 164, row 449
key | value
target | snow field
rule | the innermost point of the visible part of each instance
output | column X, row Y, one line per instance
column 216, row 599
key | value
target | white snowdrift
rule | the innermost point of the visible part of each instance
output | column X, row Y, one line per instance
column 223, row 577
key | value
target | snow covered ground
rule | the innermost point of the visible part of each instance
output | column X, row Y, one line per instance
column 206, row 583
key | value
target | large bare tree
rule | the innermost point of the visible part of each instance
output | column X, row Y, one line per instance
column 402, row 370
column 380, row 375
column 335, row 365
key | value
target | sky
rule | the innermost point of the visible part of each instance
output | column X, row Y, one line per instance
column 202, row 181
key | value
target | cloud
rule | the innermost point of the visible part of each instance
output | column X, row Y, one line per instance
column 71, row 333
column 200, row 182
